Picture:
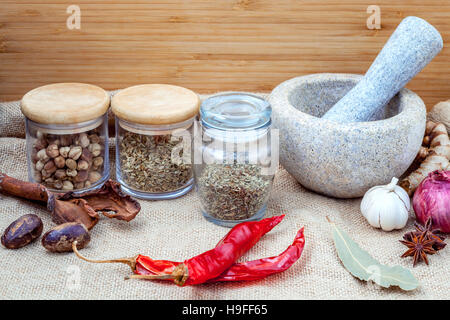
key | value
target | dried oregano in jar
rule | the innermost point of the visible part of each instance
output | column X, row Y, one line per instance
column 153, row 139
column 233, row 191
column 67, row 136
column 147, row 164
column 237, row 167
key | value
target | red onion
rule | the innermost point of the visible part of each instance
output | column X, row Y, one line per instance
column 432, row 199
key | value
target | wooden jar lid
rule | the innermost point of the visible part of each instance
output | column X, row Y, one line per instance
column 65, row 103
column 155, row 104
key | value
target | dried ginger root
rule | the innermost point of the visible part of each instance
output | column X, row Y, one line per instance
column 433, row 155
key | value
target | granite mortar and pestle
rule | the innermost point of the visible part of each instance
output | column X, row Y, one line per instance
column 341, row 134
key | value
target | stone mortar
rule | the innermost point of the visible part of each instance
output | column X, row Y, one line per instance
column 344, row 160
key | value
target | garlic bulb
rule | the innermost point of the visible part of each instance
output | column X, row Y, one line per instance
column 386, row 207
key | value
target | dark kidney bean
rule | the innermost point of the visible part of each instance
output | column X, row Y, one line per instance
column 23, row 231
column 61, row 237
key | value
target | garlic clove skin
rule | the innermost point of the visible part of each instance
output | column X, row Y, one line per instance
column 386, row 207
column 389, row 219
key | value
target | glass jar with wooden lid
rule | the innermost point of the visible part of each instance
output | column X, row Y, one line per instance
column 153, row 139
column 67, row 136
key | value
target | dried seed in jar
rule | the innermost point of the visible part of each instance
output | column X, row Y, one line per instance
column 53, row 151
column 50, row 167
column 37, row 177
column 75, row 152
column 81, row 176
column 67, row 185
column 84, row 140
column 87, row 184
column 64, row 151
column 34, row 157
column 39, row 165
column 82, row 165
column 98, row 162
column 40, row 135
column 94, row 176
column 60, row 162
column 60, row 174
column 58, row 184
column 79, row 185
column 71, row 172
column 94, row 138
column 86, row 155
column 66, row 141
column 40, row 144
column 45, row 174
column 95, row 149
column 42, row 155
column 49, row 181
column 71, row 164
column 54, row 140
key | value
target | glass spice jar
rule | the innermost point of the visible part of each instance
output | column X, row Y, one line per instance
column 67, row 136
column 233, row 165
column 153, row 140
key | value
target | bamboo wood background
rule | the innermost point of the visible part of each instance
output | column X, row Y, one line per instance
column 204, row 45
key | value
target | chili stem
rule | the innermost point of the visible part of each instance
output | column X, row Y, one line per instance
column 150, row 276
column 129, row 261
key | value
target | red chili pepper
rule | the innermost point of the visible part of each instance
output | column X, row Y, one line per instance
column 244, row 271
column 209, row 264
column 261, row 268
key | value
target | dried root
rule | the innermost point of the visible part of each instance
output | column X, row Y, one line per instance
column 433, row 155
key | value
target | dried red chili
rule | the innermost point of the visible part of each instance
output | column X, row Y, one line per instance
column 261, row 268
column 244, row 271
column 209, row 264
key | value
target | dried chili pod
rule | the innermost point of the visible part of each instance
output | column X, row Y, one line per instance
column 209, row 264
column 261, row 268
column 244, row 271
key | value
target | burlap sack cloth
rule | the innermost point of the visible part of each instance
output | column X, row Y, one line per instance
column 175, row 230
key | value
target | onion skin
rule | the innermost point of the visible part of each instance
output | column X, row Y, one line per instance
column 432, row 199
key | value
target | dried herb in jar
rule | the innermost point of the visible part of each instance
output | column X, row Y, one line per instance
column 147, row 164
column 233, row 191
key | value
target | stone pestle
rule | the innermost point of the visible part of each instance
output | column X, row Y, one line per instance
column 410, row 48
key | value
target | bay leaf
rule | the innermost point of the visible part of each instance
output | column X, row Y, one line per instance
column 364, row 267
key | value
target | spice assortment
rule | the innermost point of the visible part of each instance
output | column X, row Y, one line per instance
column 73, row 213
column 83, row 208
column 153, row 139
column 69, row 167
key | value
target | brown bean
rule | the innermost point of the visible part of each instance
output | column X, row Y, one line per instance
column 61, row 237
column 53, row 150
column 23, row 231
column 81, row 176
column 60, row 162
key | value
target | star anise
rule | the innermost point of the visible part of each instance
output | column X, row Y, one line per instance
column 418, row 248
column 430, row 234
